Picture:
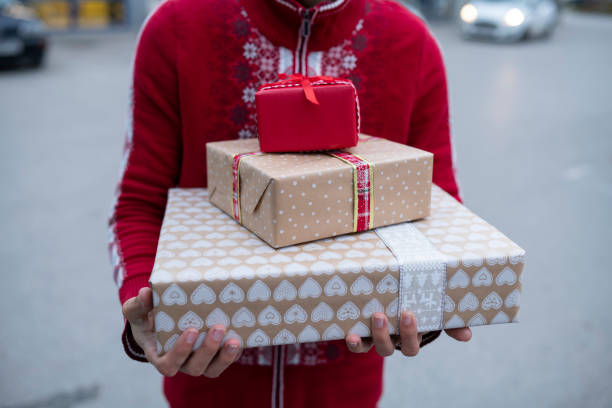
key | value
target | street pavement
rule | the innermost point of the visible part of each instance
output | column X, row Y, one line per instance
column 533, row 137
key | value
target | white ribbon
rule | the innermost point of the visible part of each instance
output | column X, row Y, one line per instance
column 422, row 274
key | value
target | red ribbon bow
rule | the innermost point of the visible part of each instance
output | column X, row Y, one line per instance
column 306, row 83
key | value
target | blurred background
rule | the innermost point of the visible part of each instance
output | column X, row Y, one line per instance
column 530, row 84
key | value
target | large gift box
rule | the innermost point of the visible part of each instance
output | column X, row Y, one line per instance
column 301, row 113
column 451, row 270
column 288, row 199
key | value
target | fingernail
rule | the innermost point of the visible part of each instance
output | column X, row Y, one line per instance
column 217, row 334
column 406, row 319
column 379, row 322
column 191, row 337
column 233, row 348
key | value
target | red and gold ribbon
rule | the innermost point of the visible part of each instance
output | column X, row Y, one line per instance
column 236, row 182
column 363, row 189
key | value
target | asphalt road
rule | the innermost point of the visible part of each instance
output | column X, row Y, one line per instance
column 533, row 138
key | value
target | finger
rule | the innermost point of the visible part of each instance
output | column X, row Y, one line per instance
column 460, row 334
column 135, row 309
column 356, row 345
column 409, row 334
column 170, row 363
column 380, row 335
column 202, row 357
column 226, row 356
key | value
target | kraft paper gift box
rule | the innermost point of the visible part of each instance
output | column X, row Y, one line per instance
column 451, row 270
column 288, row 199
column 307, row 113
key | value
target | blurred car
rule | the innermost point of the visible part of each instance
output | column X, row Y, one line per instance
column 508, row 20
column 22, row 36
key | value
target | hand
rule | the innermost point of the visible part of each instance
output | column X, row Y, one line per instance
column 409, row 336
column 210, row 359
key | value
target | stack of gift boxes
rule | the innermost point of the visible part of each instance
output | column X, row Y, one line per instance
column 305, row 233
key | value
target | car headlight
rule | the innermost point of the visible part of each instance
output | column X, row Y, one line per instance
column 514, row 17
column 31, row 28
column 468, row 13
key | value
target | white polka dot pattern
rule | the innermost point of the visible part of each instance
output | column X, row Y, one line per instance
column 288, row 199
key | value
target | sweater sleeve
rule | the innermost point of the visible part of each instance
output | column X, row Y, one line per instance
column 430, row 127
column 429, row 124
column 151, row 161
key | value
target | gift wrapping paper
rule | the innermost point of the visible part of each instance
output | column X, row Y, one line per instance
column 307, row 113
column 451, row 270
column 288, row 199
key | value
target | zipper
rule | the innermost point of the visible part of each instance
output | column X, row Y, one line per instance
column 278, row 372
column 304, row 34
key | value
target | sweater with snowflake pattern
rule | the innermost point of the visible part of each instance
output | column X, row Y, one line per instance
column 198, row 65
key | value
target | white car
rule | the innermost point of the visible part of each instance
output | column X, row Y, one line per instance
column 508, row 20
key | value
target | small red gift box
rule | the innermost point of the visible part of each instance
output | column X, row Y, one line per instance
column 301, row 113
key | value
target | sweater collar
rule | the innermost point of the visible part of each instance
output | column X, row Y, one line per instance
column 282, row 21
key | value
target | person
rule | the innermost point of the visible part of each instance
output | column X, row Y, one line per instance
column 198, row 65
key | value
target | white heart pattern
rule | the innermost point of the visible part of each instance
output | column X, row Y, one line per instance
column 243, row 317
column 322, row 312
column 388, row 284
column 269, row 316
column 309, row 334
column 469, row 302
column 333, row 332
column 199, row 341
column 217, row 316
column 203, row 294
column 284, row 337
column 454, row 322
column 373, row 306
column 360, row 329
column 258, row 338
column 189, row 275
column 285, row 291
column 335, row 287
column 477, row 320
column 310, row 288
column 362, row 286
column 163, row 322
column 492, row 301
column 258, row 291
column 232, row 335
column 513, row 299
column 322, row 268
column 482, row 278
column 231, row 293
column 170, row 342
column 506, row 277
column 348, row 311
column 449, row 304
column 190, row 319
column 174, row 295
column 295, row 314
column 459, row 280
column 392, row 308
column 500, row 317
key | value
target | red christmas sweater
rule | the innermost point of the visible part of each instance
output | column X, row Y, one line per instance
column 198, row 65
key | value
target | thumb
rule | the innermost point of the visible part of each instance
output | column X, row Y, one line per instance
column 136, row 309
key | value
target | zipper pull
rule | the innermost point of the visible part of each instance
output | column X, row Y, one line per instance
column 306, row 24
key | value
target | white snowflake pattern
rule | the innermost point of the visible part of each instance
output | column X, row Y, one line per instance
column 349, row 61
column 248, row 94
column 245, row 134
column 250, row 51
